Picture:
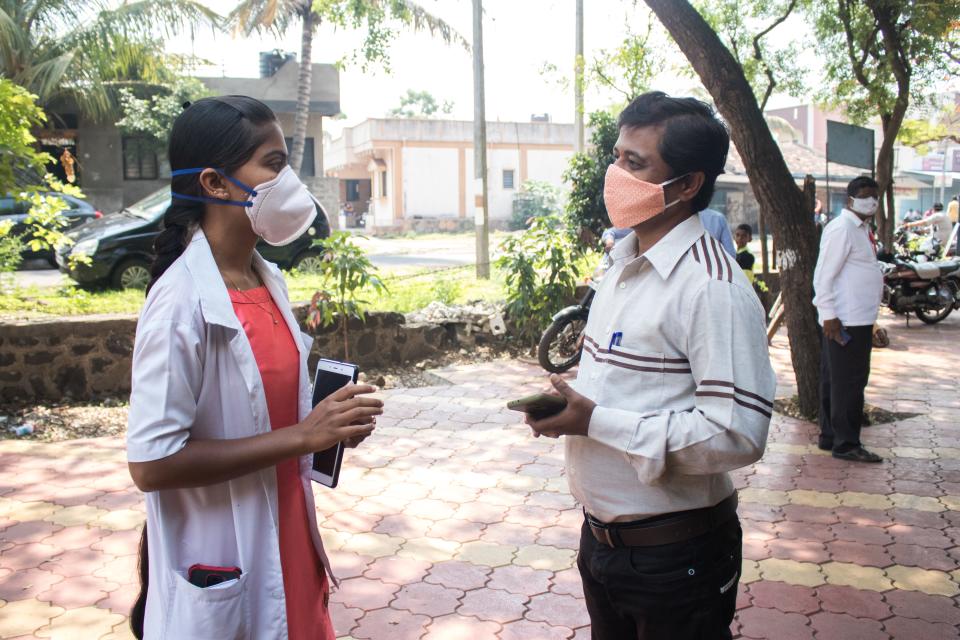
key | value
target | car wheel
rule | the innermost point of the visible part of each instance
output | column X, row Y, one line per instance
column 132, row 274
column 308, row 262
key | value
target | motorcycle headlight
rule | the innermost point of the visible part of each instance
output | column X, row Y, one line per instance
column 85, row 247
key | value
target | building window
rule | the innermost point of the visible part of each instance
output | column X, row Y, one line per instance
column 307, row 166
column 508, row 179
column 139, row 159
column 383, row 184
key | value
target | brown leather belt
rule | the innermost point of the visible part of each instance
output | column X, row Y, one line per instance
column 675, row 527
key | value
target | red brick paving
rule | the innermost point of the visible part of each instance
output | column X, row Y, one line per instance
column 449, row 465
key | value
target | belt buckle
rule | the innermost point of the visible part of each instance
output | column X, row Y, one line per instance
column 606, row 534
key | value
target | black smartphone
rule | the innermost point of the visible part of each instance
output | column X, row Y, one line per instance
column 203, row 576
column 331, row 375
column 539, row 406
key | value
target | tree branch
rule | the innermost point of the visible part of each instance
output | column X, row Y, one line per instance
column 843, row 12
column 758, row 53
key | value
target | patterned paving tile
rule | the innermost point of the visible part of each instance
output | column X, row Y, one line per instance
column 459, row 525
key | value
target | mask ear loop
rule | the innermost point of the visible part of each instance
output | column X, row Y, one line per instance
column 671, row 181
column 236, row 203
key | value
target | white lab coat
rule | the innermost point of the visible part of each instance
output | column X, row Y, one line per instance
column 194, row 376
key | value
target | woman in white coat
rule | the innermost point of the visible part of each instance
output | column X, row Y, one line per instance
column 221, row 427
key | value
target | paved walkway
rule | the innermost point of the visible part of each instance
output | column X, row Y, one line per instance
column 452, row 523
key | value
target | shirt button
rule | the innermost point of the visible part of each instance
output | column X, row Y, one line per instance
column 623, row 285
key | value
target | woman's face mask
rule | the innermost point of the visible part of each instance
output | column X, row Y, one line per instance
column 280, row 210
column 631, row 201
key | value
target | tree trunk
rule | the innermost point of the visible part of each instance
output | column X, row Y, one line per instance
column 782, row 203
column 764, row 259
column 886, row 215
column 304, row 86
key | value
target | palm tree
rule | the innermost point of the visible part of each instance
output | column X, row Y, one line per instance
column 82, row 51
column 278, row 15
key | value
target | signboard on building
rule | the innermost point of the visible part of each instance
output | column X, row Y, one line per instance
column 933, row 162
column 850, row 145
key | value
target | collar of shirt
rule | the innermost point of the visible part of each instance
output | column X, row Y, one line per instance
column 852, row 217
column 668, row 251
column 214, row 298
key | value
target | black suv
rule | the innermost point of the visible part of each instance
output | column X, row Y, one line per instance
column 77, row 212
column 120, row 245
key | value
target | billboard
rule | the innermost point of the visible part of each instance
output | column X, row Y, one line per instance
column 850, row 145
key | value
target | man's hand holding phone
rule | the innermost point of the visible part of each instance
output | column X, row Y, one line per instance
column 346, row 415
column 573, row 420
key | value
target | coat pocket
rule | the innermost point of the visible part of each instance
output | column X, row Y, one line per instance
column 219, row 611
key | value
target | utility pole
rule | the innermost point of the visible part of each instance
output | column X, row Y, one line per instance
column 578, row 84
column 481, row 215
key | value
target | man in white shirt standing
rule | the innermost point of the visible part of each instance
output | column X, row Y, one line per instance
column 674, row 390
column 849, row 287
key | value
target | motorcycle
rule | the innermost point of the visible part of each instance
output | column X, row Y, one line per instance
column 561, row 345
column 915, row 247
column 929, row 290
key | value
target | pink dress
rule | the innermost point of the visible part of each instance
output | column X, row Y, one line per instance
column 304, row 580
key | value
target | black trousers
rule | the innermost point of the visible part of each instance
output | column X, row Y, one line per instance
column 681, row 591
column 844, row 372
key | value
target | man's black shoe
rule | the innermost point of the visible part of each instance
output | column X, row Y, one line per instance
column 825, row 444
column 857, row 454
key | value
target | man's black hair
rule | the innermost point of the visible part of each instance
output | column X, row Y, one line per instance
column 938, row 206
column 745, row 227
column 693, row 137
column 860, row 182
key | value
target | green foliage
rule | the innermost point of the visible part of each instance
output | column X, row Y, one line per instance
column 18, row 157
column 941, row 126
column 535, row 199
column 768, row 62
column 632, row 66
column 419, row 104
column 347, row 274
column 85, row 50
column 19, row 115
column 540, row 270
column 586, row 173
column 152, row 116
column 860, row 65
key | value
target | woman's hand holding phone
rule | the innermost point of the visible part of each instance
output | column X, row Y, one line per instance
column 346, row 415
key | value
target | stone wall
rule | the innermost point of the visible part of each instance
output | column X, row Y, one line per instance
column 89, row 357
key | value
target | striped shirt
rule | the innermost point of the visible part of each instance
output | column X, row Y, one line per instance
column 675, row 356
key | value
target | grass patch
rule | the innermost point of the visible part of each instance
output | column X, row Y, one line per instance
column 30, row 302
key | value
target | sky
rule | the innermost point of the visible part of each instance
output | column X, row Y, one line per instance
column 520, row 36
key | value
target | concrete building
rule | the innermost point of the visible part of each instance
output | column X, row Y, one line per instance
column 115, row 170
column 418, row 173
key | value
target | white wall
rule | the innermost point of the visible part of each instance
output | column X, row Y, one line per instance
column 500, row 200
column 547, row 165
column 431, row 182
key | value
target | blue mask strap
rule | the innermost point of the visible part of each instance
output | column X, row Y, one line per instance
column 237, row 203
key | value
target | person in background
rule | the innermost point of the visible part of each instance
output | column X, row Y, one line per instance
column 716, row 225
column 953, row 209
column 939, row 224
column 743, row 235
column 849, row 285
column 674, row 390
column 912, row 215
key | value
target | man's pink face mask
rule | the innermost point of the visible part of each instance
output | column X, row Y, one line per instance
column 631, row 201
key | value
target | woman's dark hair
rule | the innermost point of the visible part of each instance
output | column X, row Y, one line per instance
column 861, row 182
column 693, row 137
column 220, row 133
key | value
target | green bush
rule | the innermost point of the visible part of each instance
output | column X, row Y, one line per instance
column 586, row 174
column 535, row 199
column 540, row 269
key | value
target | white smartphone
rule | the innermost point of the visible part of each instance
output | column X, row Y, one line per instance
column 331, row 375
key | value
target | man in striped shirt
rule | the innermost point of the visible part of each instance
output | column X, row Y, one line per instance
column 674, row 390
